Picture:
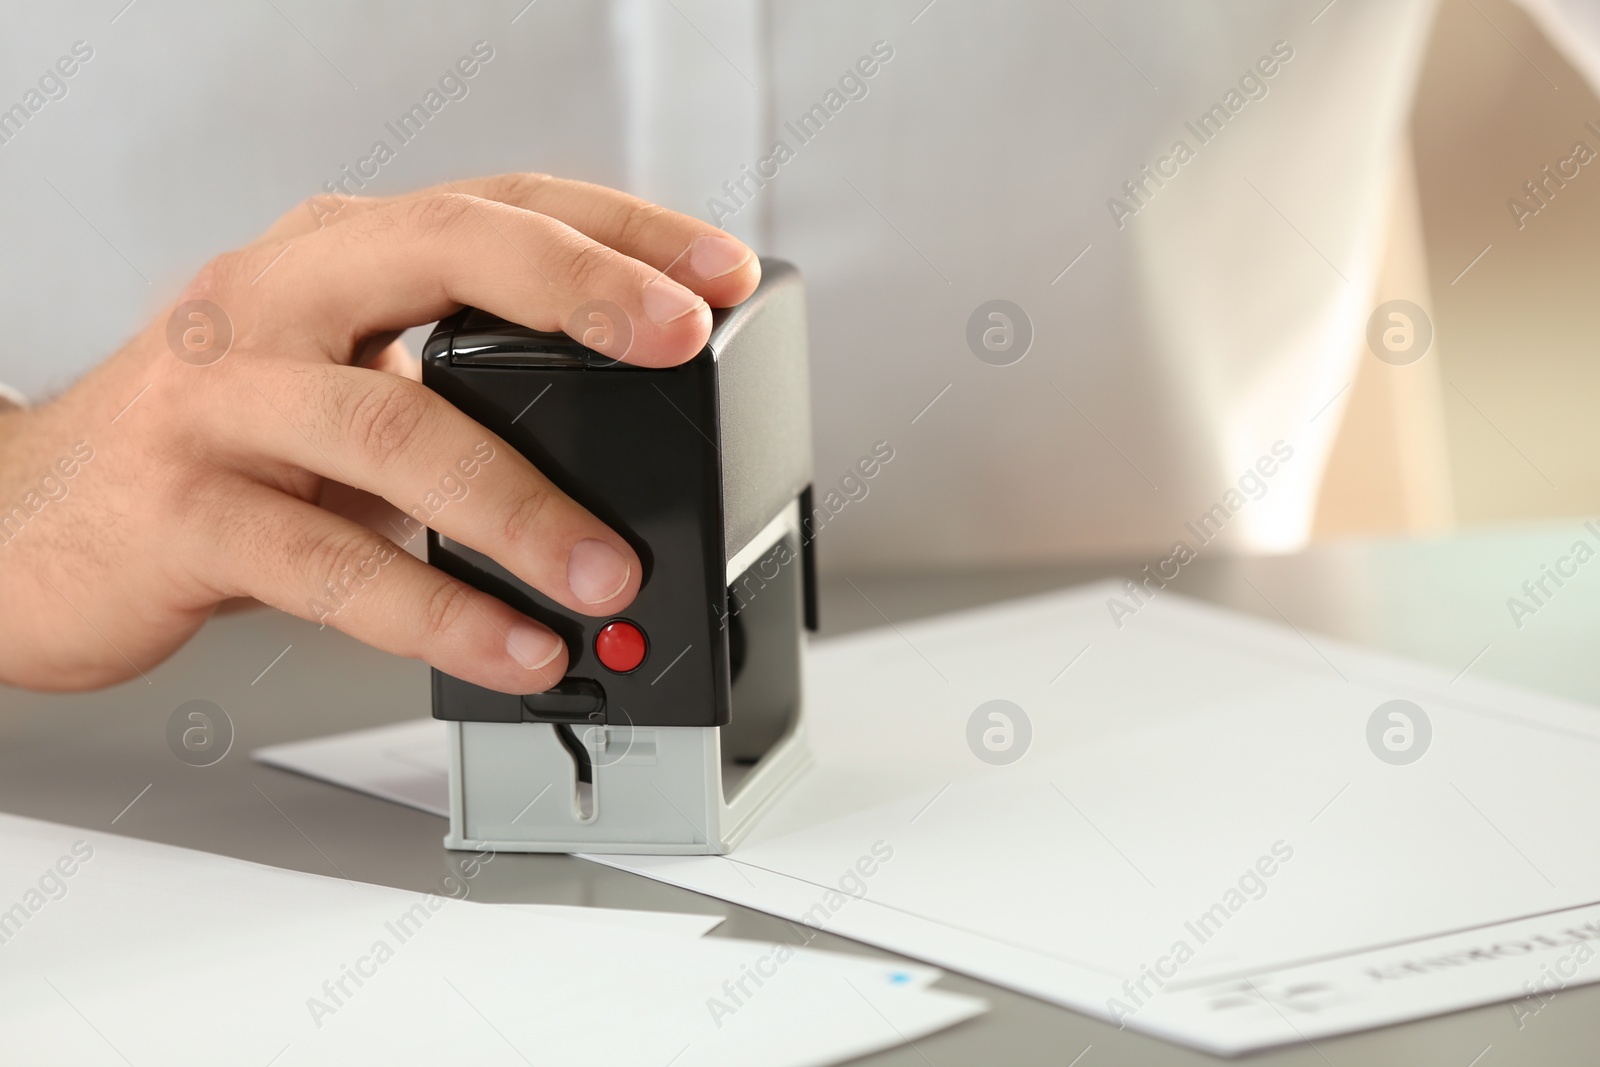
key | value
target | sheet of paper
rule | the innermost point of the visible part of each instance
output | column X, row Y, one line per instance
column 661, row 922
column 404, row 763
column 1206, row 836
column 117, row 951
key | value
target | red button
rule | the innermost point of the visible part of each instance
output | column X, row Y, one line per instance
column 620, row 646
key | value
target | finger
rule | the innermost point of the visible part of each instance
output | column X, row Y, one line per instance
column 395, row 358
column 402, row 441
column 315, row 213
column 713, row 263
column 437, row 253
column 305, row 561
column 373, row 512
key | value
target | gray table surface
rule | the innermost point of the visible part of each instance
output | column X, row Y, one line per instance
column 82, row 759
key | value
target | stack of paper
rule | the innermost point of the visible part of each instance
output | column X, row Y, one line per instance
column 119, row 951
column 1218, row 831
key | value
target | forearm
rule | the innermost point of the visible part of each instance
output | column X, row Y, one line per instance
column 13, row 419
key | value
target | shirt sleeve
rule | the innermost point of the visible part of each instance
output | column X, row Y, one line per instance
column 1573, row 28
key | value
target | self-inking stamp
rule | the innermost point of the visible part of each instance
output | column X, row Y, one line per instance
column 680, row 718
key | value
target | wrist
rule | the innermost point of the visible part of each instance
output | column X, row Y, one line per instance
column 18, row 433
column 11, row 420
column 11, row 400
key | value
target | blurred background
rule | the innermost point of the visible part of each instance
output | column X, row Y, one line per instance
column 1182, row 331
column 1498, row 99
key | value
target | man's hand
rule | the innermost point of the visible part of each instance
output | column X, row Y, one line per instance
column 159, row 486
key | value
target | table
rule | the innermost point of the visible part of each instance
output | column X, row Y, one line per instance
column 101, row 760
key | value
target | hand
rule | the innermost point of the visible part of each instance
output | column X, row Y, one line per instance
column 159, row 486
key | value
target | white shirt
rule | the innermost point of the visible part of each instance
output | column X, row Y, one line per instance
column 1184, row 333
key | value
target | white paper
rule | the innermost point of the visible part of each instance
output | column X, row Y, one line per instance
column 1174, row 761
column 114, row 951
column 405, row 763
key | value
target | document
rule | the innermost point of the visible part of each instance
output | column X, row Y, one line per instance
column 117, row 951
column 1229, row 833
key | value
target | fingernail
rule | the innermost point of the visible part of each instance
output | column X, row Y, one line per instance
column 666, row 300
column 712, row 255
column 532, row 647
column 596, row 572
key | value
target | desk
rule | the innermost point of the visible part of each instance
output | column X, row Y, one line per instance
column 83, row 758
